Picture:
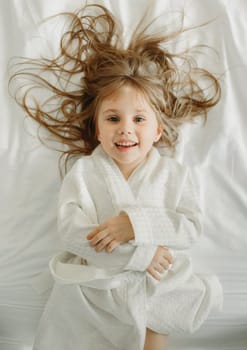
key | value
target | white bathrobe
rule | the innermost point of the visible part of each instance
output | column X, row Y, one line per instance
column 107, row 303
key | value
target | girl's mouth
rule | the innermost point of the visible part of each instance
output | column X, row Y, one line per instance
column 125, row 145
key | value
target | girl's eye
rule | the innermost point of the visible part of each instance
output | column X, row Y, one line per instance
column 139, row 119
column 113, row 118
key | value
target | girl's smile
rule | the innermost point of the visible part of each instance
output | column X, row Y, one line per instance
column 125, row 145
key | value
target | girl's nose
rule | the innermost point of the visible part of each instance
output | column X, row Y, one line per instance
column 125, row 129
column 125, row 132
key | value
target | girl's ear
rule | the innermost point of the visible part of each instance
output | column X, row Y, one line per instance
column 159, row 133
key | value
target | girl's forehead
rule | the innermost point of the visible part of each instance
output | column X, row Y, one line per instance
column 127, row 94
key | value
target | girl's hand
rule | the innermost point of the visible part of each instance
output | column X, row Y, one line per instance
column 110, row 234
column 160, row 262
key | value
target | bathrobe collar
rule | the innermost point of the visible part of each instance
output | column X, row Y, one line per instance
column 122, row 191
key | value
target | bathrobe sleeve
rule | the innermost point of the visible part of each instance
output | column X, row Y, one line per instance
column 77, row 216
column 176, row 228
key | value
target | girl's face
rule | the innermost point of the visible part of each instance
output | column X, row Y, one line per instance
column 127, row 127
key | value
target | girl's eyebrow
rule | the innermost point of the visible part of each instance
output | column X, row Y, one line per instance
column 138, row 110
column 111, row 111
column 141, row 110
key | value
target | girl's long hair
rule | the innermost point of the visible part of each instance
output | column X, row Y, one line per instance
column 93, row 62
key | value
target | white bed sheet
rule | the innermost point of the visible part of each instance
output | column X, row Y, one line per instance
column 30, row 181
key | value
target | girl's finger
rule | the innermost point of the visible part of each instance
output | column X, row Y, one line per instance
column 168, row 256
column 111, row 246
column 165, row 264
column 97, row 238
column 154, row 274
column 159, row 268
column 103, row 243
column 96, row 231
column 93, row 233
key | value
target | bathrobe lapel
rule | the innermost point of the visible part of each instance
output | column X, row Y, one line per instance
column 123, row 192
column 118, row 188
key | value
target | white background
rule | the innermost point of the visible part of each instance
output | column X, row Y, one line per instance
column 217, row 152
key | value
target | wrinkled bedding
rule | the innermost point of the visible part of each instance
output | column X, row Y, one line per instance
column 30, row 181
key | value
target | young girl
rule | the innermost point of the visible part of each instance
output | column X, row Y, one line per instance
column 126, row 213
